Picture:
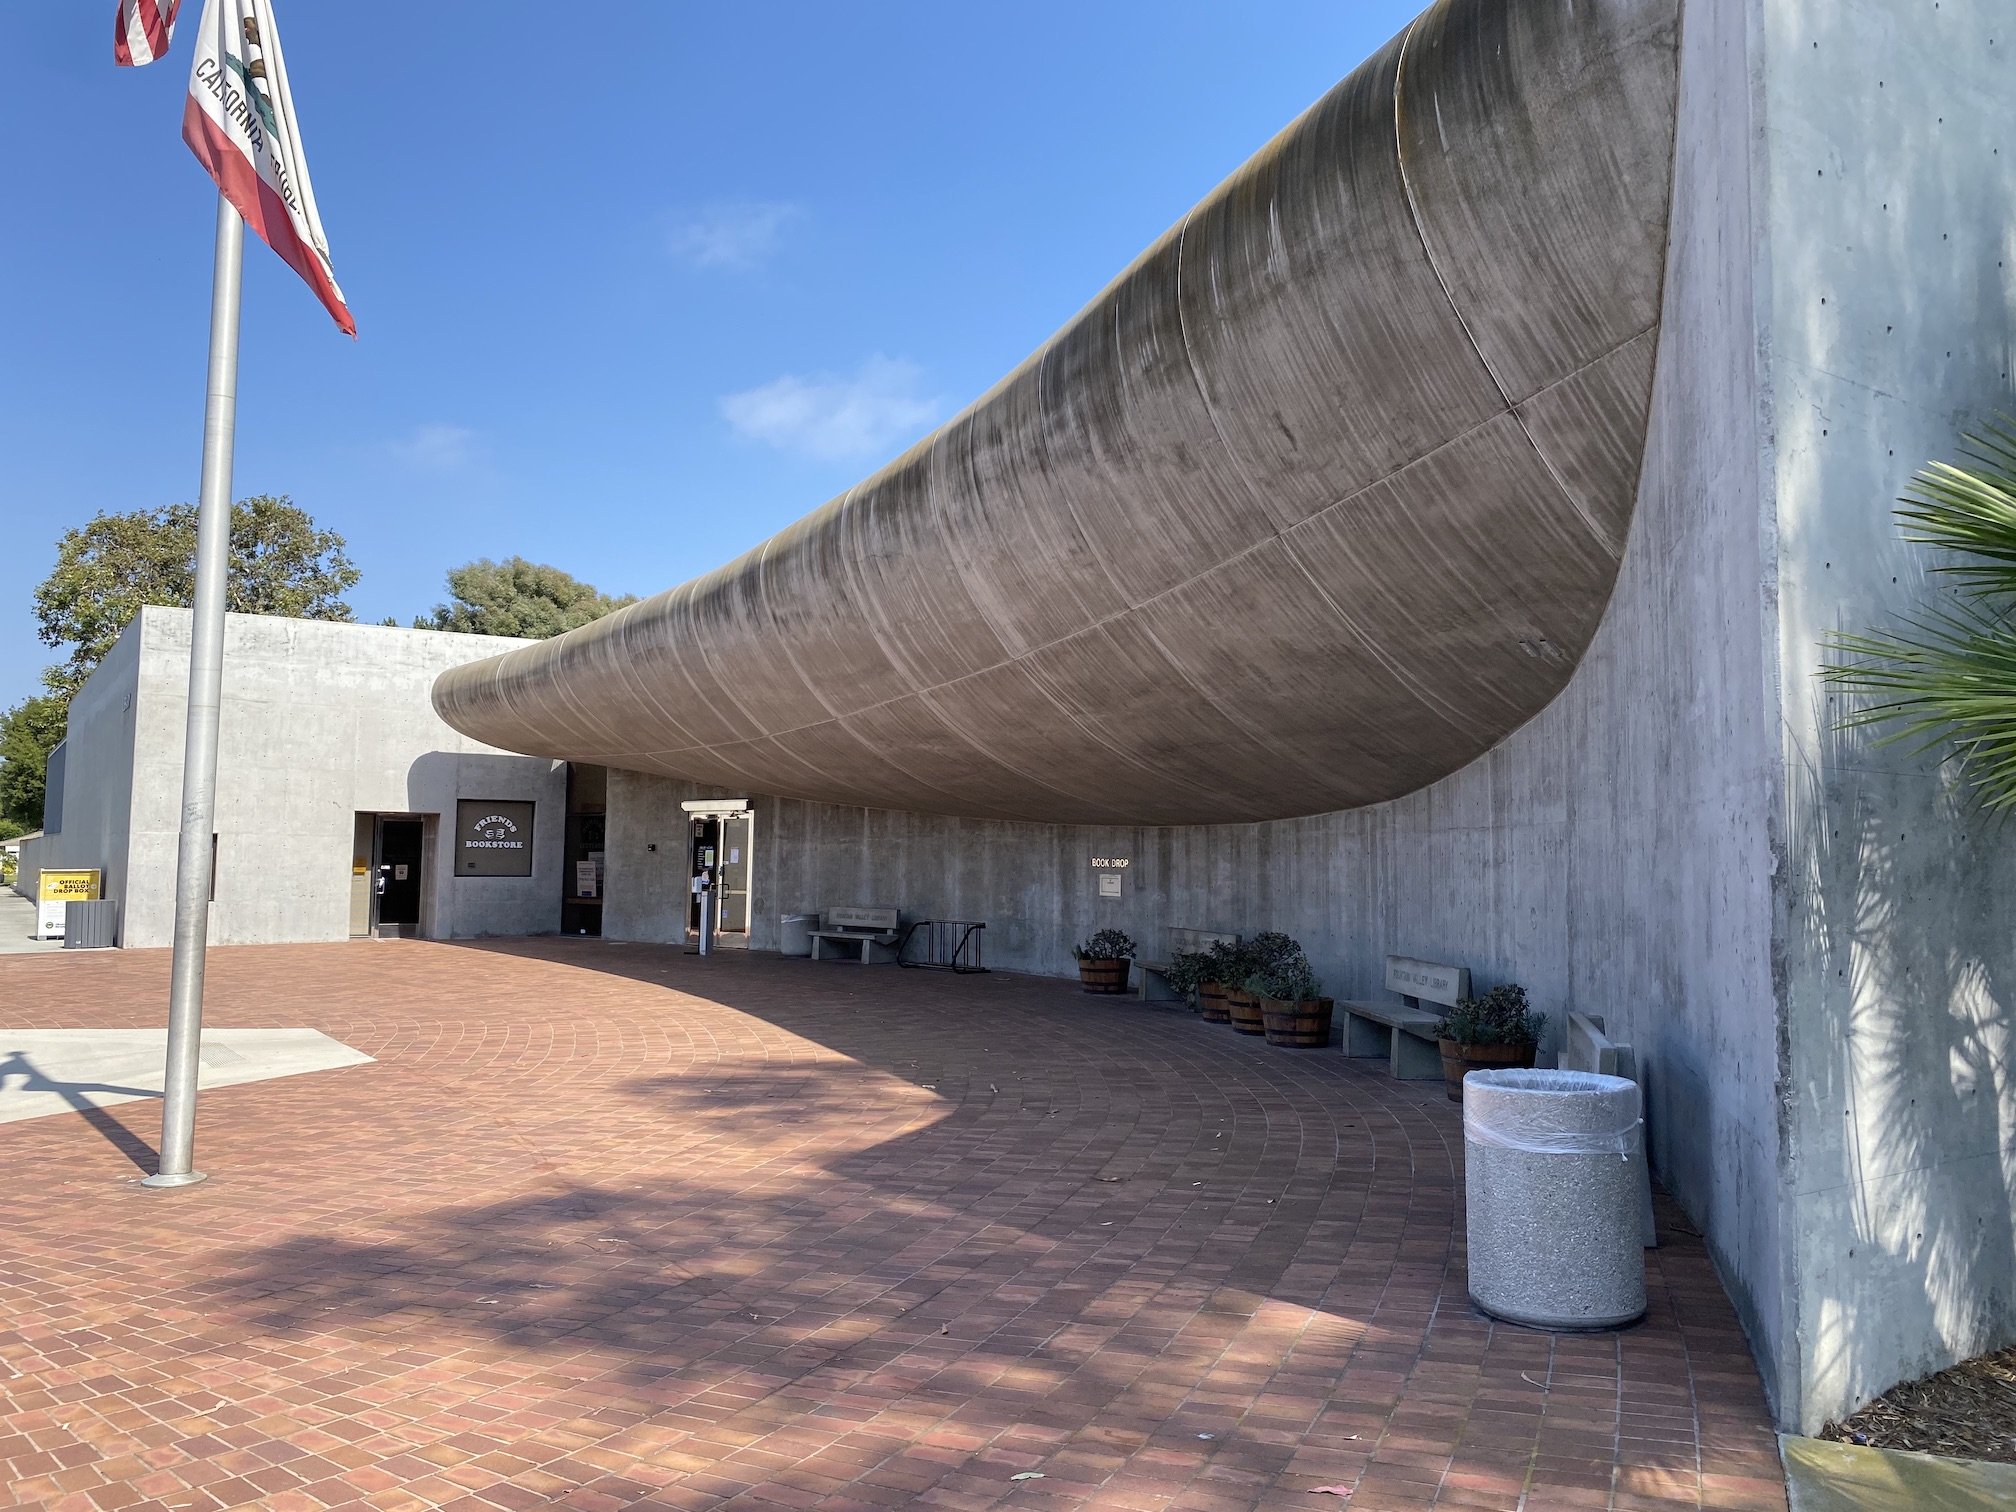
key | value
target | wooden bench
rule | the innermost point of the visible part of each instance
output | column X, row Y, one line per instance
column 1181, row 942
column 1585, row 1047
column 865, row 926
column 1403, row 1034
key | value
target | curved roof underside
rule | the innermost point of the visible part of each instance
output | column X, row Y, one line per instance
column 1320, row 500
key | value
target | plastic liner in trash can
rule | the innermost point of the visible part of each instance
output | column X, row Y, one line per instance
column 794, row 933
column 1551, row 1161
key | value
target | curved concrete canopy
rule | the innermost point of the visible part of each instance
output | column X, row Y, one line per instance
column 1320, row 500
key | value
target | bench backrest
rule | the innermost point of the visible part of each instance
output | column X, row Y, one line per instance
column 1194, row 941
column 1585, row 1047
column 1427, row 981
column 859, row 916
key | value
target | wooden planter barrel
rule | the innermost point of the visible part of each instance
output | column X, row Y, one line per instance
column 1244, row 1008
column 1458, row 1061
column 1211, row 1003
column 1303, row 1025
column 1105, row 976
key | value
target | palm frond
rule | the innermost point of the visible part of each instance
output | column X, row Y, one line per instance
column 1948, row 676
column 1969, row 511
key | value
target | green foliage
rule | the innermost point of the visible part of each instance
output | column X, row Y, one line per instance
column 1949, row 674
column 1292, row 981
column 1188, row 970
column 281, row 563
column 1106, row 945
column 28, row 733
column 1500, row 1017
column 517, row 597
column 1229, row 963
column 1276, row 968
column 1271, row 950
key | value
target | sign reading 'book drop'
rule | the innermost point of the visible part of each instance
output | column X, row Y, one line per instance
column 492, row 838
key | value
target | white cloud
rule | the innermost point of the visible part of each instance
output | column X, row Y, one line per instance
column 839, row 419
column 437, row 448
column 733, row 234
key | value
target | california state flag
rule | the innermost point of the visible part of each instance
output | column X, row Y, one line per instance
column 240, row 124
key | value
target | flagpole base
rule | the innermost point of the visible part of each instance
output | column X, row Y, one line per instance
column 182, row 1179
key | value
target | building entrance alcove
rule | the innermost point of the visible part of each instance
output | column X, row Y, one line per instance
column 722, row 854
column 388, row 875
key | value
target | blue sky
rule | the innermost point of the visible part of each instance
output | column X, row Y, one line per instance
column 636, row 285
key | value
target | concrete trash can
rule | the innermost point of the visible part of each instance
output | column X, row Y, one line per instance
column 1552, row 1179
column 794, row 933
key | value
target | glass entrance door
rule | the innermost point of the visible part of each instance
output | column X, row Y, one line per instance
column 721, row 853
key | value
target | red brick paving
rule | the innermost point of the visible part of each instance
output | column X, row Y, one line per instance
column 611, row 1227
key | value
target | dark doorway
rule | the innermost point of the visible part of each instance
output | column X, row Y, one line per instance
column 397, row 910
column 585, row 874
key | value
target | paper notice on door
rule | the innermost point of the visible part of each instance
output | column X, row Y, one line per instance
column 734, row 855
column 585, row 880
column 399, row 872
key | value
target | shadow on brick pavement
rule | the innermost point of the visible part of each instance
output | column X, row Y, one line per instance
column 609, row 1226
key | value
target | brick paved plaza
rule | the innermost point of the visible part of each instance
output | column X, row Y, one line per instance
column 609, row 1227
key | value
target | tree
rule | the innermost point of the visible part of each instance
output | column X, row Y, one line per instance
column 517, row 597
column 1948, row 675
column 281, row 563
column 28, row 733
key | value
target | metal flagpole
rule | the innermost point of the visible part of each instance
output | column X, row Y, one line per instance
column 206, row 680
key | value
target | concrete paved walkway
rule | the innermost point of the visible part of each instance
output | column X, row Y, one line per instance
column 17, row 926
column 49, row 1071
column 613, row 1227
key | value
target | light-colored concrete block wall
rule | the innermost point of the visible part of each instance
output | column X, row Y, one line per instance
column 1891, row 176
column 98, row 780
column 320, row 722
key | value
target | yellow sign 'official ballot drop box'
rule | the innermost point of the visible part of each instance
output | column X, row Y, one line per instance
column 56, row 891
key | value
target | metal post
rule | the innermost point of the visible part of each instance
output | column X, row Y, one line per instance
column 206, row 682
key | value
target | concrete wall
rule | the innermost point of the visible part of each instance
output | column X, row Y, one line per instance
column 320, row 722
column 1891, row 173
column 28, row 871
column 1613, row 855
column 97, row 798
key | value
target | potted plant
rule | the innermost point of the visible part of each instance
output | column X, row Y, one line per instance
column 1268, row 952
column 1186, row 974
column 1292, row 1007
column 1224, row 964
column 1488, row 1033
column 1105, row 961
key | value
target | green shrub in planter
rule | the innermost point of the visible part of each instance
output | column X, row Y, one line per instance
column 1291, row 981
column 1104, row 961
column 1488, row 1033
column 1188, row 970
column 1106, row 945
column 1500, row 1017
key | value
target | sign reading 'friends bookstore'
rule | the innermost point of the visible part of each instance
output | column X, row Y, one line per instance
column 493, row 839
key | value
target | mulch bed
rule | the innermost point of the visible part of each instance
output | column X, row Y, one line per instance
column 1968, row 1412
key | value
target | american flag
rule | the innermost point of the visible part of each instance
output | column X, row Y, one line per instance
column 143, row 30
